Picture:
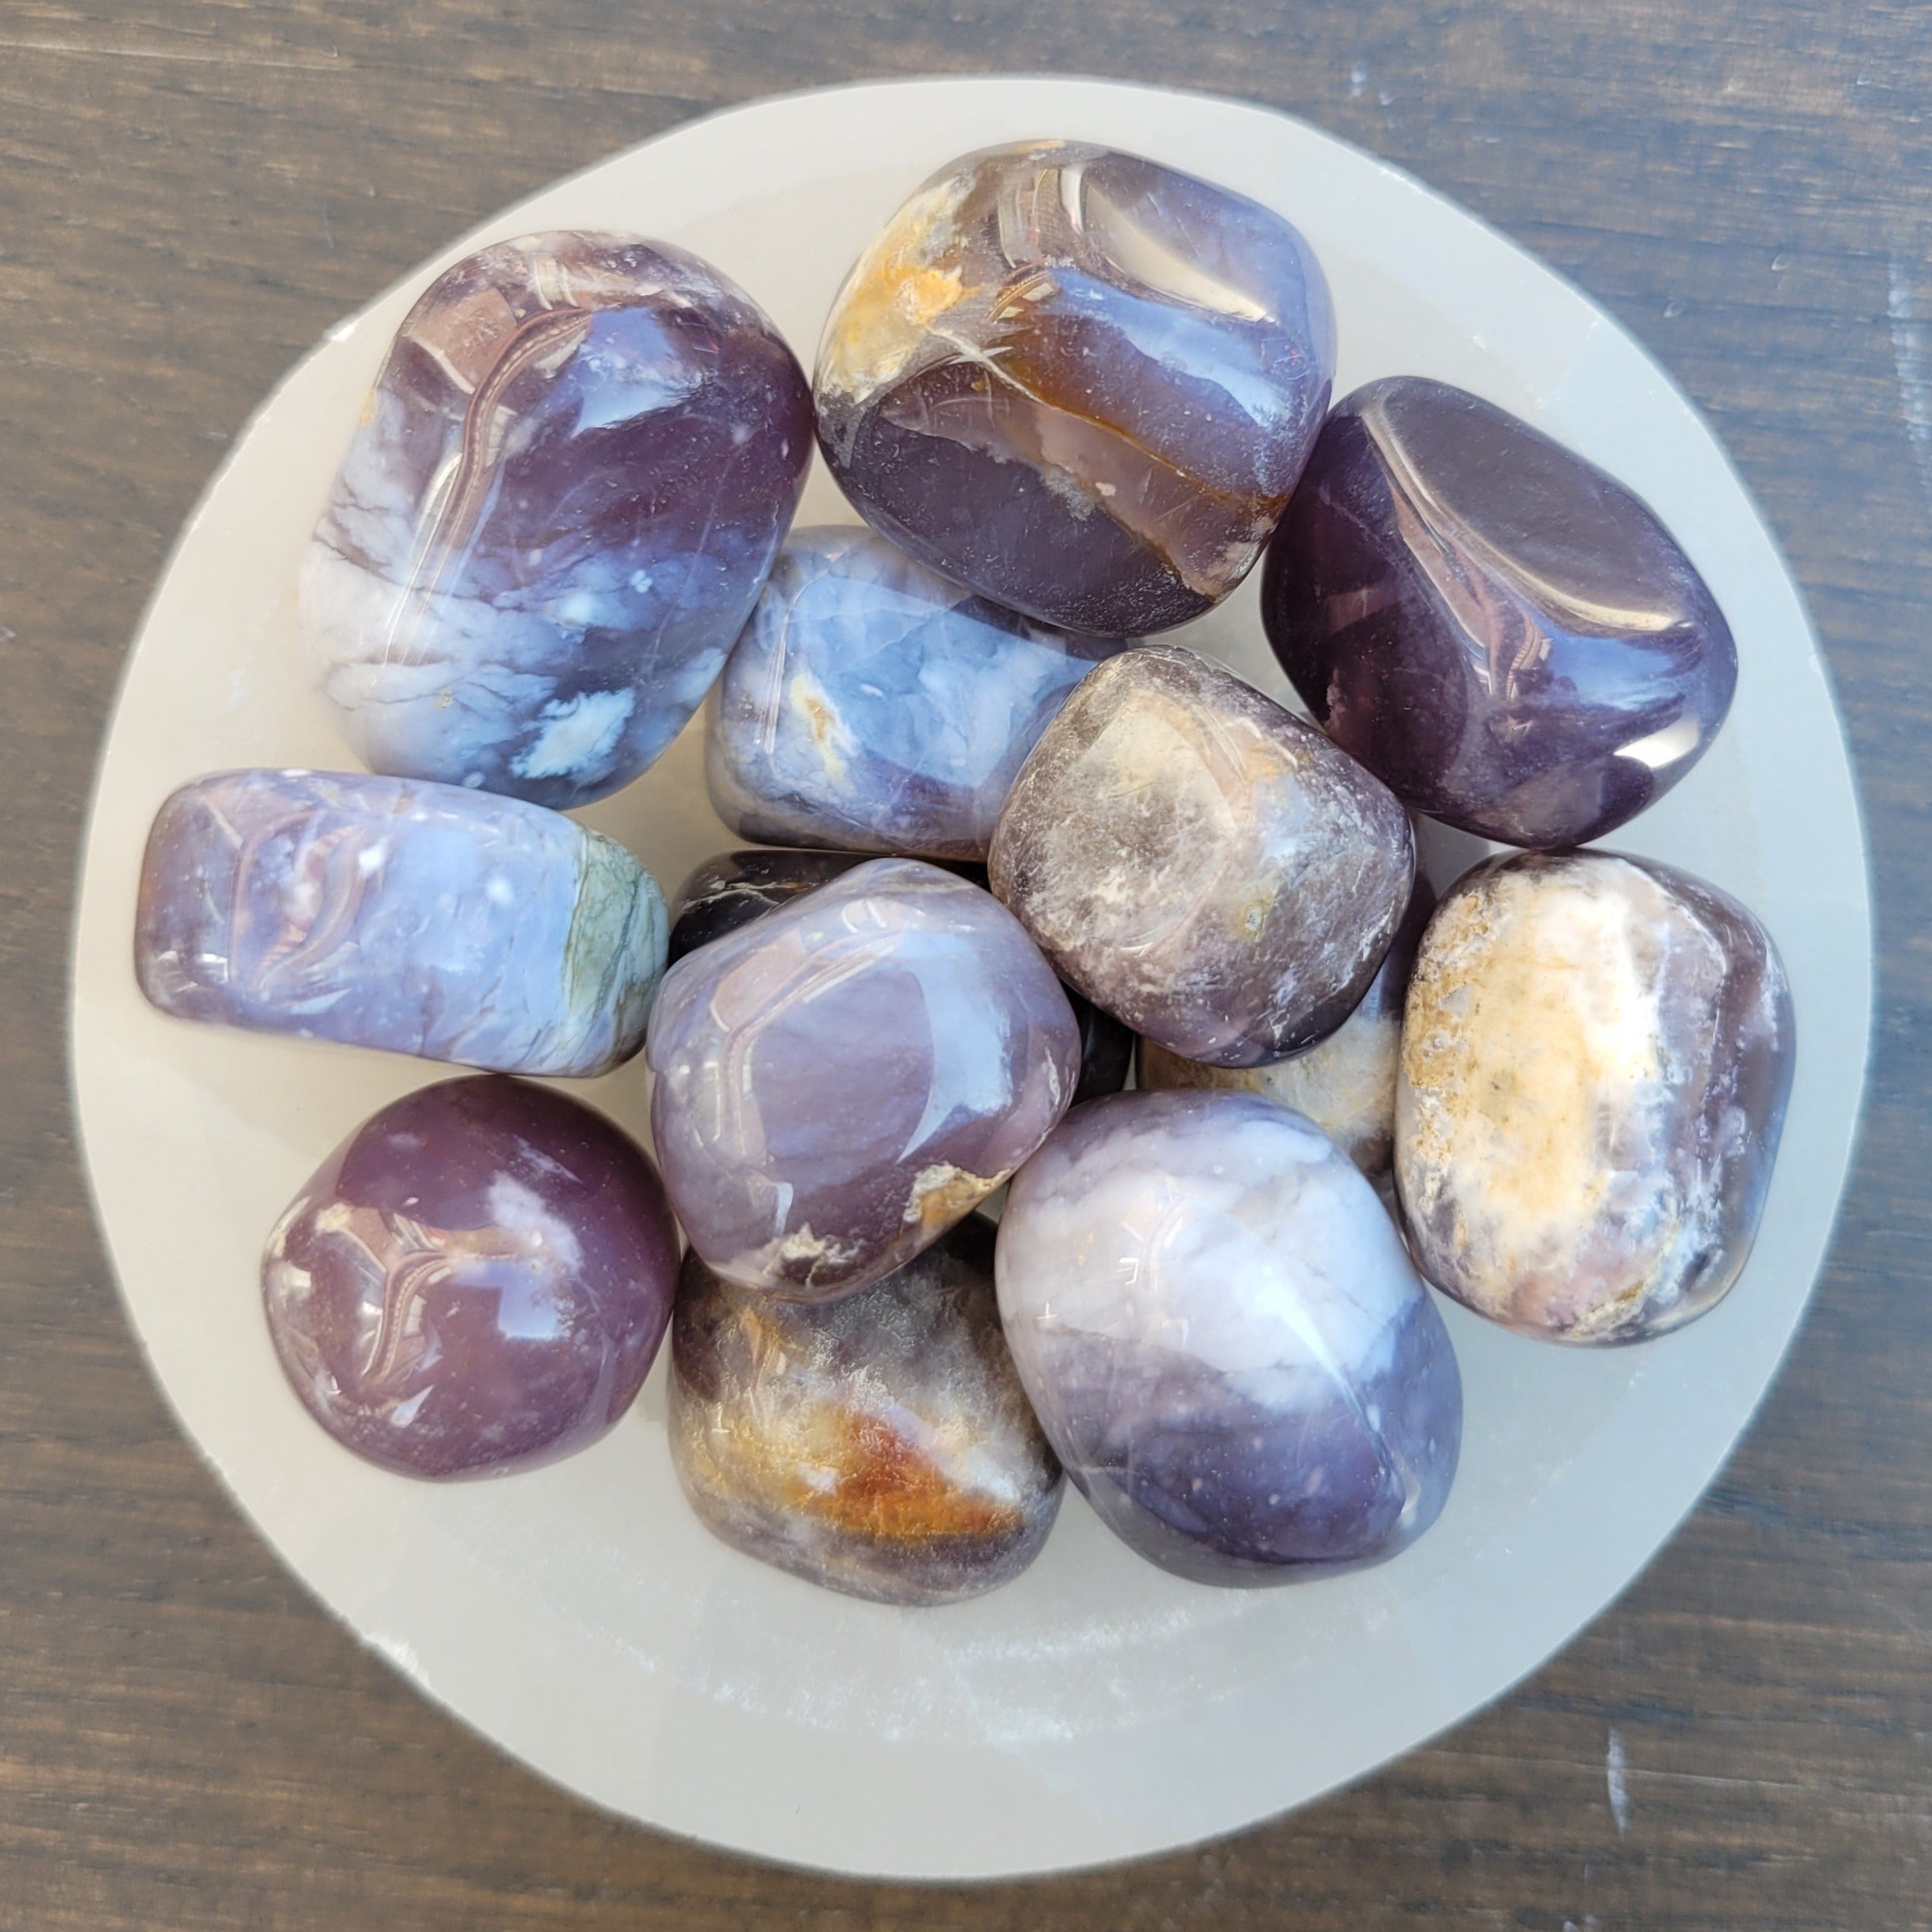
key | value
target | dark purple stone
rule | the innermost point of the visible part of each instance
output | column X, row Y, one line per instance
column 477, row 1279
column 1080, row 383
column 1504, row 635
column 734, row 888
column 579, row 460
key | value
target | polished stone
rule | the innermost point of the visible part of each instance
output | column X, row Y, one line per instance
column 837, row 1083
column 1081, row 383
column 419, row 918
column 871, row 706
column 1345, row 1083
column 734, row 888
column 1224, row 1339
column 1595, row 1064
column 1201, row 863
column 476, row 1281
column 881, row 1445
column 578, row 463
column 1504, row 635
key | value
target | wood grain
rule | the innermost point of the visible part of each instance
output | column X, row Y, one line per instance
column 192, row 190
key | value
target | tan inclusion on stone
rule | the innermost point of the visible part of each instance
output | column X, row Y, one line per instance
column 1537, row 1099
column 884, row 315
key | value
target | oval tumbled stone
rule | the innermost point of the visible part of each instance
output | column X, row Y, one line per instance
column 1201, row 863
column 872, row 706
column 1079, row 382
column 839, row 1081
column 881, row 1445
column 1504, row 635
column 1596, row 1057
column 1224, row 1339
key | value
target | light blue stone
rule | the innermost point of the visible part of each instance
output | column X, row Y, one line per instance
column 420, row 918
column 871, row 706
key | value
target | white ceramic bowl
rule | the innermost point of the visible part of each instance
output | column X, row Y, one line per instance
column 1097, row 1708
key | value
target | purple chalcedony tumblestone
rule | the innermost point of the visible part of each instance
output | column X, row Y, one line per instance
column 478, row 1279
column 881, row 1445
column 577, row 464
column 1504, row 636
column 1078, row 383
column 1201, row 863
column 726, row 892
column 418, row 919
column 837, row 1083
column 1224, row 1339
column 871, row 705
column 1596, row 1058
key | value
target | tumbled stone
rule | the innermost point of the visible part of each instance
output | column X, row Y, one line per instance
column 419, row 918
column 1078, row 383
column 578, row 463
column 1596, row 1058
column 732, row 888
column 837, row 1083
column 1201, row 863
column 726, row 892
column 1223, row 1338
column 881, row 1445
column 1504, row 635
column 477, row 1279
column 1345, row 1083
column 872, row 706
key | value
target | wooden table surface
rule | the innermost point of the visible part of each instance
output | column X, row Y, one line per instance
column 192, row 190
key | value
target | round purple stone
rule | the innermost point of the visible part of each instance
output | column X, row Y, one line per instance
column 477, row 1279
column 1504, row 636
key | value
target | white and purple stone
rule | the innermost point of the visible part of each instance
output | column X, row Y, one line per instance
column 578, row 462
column 1080, row 383
column 872, row 706
column 418, row 919
column 1596, row 1058
column 1200, row 862
column 1345, row 1083
column 880, row 1445
column 1224, row 1339
column 476, row 1281
column 1503, row 634
column 837, row 1083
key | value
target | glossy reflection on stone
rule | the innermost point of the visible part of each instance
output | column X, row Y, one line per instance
column 419, row 918
column 477, row 1279
column 1503, row 634
column 882, row 1446
column 837, row 1083
column 1345, row 1083
column 1201, row 862
column 1224, row 1339
column 872, row 706
column 734, row 888
column 578, row 463
column 1596, row 1055
column 1082, row 384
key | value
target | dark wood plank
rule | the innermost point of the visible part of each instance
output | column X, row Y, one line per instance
column 191, row 190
